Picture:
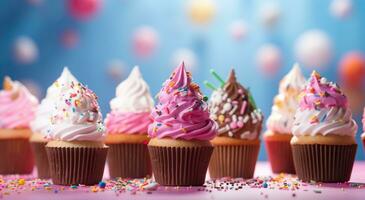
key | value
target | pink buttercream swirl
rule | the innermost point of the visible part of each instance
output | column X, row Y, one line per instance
column 17, row 107
column 127, row 123
column 181, row 112
column 322, row 94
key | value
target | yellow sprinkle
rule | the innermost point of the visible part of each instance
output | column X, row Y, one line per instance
column 21, row 181
column 94, row 189
column 221, row 118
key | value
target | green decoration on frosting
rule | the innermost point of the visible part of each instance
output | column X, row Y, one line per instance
column 212, row 71
column 209, row 85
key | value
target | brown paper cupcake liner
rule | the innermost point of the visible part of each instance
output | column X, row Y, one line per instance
column 236, row 161
column 16, row 156
column 129, row 161
column 324, row 163
column 180, row 166
column 280, row 156
column 78, row 165
column 41, row 159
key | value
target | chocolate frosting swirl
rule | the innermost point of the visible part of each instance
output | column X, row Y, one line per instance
column 234, row 109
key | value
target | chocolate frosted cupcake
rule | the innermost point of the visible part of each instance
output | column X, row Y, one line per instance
column 76, row 152
column 323, row 144
column 180, row 149
column 237, row 144
column 127, row 126
column 17, row 110
column 41, row 125
column 278, row 135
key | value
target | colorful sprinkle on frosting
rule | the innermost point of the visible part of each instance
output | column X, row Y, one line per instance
column 320, row 93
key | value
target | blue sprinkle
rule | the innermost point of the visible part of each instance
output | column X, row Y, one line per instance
column 265, row 185
column 102, row 184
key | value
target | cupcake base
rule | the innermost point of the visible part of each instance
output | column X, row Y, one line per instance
column 73, row 165
column 183, row 164
column 235, row 160
column 324, row 162
column 279, row 152
column 129, row 161
column 16, row 156
column 41, row 159
column 15, row 151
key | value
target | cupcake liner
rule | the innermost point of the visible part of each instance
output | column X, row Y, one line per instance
column 180, row 166
column 129, row 161
column 236, row 161
column 280, row 156
column 16, row 156
column 41, row 159
column 78, row 165
column 324, row 163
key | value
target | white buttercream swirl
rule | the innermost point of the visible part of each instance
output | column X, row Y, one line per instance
column 327, row 121
column 286, row 102
column 132, row 95
column 77, row 115
column 42, row 122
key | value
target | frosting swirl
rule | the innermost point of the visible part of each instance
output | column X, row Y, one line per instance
column 76, row 115
column 42, row 122
column 17, row 105
column 323, row 110
column 131, row 107
column 181, row 112
column 286, row 102
column 235, row 111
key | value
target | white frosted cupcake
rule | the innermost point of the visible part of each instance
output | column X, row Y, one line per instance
column 77, row 152
column 127, row 126
column 41, row 124
column 323, row 144
column 278, row 135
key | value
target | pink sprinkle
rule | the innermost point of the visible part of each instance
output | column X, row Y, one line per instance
column 233, row 125
column 240, row 124
column 243, row 107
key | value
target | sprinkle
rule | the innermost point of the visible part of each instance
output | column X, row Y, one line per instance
column 233, row 109
column 102, row 184
column 243, row 107
column 205, row 98
column 314, row 119
column 21, row 181
column 221, row 118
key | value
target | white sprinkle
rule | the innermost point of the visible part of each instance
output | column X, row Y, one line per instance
column 234, row 117
column 245, row 119
column 222, row 130
column 233, row 109
column 230, row 134
column 244, row 134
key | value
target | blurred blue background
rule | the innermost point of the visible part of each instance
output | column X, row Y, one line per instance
column 100, row 46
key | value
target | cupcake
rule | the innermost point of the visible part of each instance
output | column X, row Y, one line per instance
column 237, row 143
column 181, row 130
column 127, row 126
column 323, row 144
column 17, row 110
column 278, row 135
column 76, row 152
column 41, row 124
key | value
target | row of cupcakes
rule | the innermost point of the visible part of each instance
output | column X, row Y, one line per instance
column 181, row 130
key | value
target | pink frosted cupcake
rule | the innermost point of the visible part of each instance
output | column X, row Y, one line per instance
column 180, row 149
column 127, row 126
column 17, row 110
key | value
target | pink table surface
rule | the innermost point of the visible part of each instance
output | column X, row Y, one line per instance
column 327, row 191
